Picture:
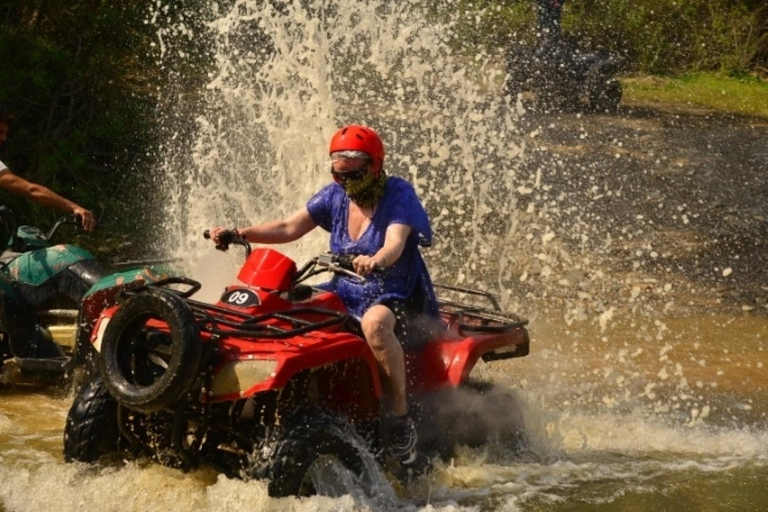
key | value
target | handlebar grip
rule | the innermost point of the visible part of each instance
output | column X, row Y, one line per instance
column 345, row 262
column 225, row 238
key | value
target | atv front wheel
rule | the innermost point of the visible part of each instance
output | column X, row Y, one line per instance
column 92, row 430
column 313, row 452
column 149, row 366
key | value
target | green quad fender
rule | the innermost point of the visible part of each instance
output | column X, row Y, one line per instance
column 106, row 292
column 122, row 279
column 37, row 267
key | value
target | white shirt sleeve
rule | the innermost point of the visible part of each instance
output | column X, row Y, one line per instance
column 3, row 167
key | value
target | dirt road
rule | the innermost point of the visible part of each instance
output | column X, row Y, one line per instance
column 670, row 202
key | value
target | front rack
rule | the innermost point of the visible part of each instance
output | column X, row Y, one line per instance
column 226, row 323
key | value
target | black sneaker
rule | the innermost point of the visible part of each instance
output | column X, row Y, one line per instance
column 402, row 440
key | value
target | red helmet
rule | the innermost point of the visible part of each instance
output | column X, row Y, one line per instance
column 360, row 138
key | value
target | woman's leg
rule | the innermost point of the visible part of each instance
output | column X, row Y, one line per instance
column 378, row 324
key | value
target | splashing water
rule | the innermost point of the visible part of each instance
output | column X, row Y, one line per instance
column 286, row 77
column 625, row 405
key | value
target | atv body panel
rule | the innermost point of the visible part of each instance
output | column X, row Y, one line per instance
column 126, row 277
column 36, row 267
column 107, row 291
column 285, row 358
column 448, row 361
column 30, row 238
column 268, row 270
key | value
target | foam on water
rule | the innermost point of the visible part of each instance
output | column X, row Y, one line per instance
column 135, row 487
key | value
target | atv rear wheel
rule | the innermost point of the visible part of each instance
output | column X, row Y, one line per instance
column 149, row 368
column 607, row 97
column 496, row 411
column 313, row 452
column 92, row 431
column 473, row 415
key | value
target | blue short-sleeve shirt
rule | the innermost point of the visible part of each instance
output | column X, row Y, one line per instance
column 329, row 208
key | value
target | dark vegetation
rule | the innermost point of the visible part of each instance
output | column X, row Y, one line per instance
column 78, row 77
column 88, row 86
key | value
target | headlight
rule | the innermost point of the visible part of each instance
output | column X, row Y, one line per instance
column 240, row 376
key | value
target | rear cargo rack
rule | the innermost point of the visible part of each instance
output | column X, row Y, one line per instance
column 227, row 323
column 476, row 318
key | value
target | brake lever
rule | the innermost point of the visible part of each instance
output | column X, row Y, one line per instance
column 357, row 277
column 326, row 260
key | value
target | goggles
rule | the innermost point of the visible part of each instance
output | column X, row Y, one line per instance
column 353, row 175
column 341, row 155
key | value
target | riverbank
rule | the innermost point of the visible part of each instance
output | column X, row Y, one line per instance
column 660, row 208
column 742, row 95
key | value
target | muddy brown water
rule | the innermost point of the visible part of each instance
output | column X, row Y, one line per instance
column 668, row 414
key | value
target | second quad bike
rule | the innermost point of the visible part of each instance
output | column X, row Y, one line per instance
column 563, row 77
column 51, row 296
column 274, row 381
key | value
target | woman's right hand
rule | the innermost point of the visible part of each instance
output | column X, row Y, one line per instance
column 215, row 233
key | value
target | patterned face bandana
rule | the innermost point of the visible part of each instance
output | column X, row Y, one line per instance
column 367, row 191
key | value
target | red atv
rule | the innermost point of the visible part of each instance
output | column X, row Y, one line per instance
column 273, row 381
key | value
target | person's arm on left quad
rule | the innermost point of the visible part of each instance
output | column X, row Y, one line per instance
column 46, row 197
column 394, row 243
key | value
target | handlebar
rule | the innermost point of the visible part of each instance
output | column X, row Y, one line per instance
column 345, row 261
column 8, row 217
column 342, row 264
column 67, row 219
column 339, row 263
column 227, row 238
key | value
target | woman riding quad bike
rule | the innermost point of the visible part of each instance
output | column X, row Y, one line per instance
column 275, row 381
column 50, row 296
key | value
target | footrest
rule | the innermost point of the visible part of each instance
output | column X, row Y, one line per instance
column 55, row 364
